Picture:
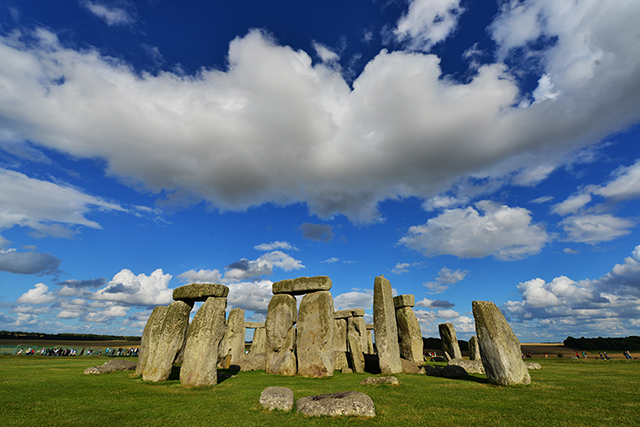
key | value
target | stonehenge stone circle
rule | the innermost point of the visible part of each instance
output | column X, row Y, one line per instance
column 282, row 315
column 386, row 329
column 302, row 285
column 166, row 341
column 233, row 341
column 315, row 335
column 154, row 323
column 259, row 341
column 499, row 347
column 203, row 339
column 337, row 404
column 474, row 348
column 199, row 292
column 409, row 333
column 449, row 339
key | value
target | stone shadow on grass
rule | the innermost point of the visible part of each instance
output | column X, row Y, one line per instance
column 225, row 374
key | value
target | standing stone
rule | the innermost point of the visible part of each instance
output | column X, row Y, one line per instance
column 233, row 341
column 150, row 330
column 449, row 341
column 354, row 341
column 340, row 335
column 169, row 339
column 203, row 339
column 410, row 336
column 361, row 327
column 370, row 349
column 315, row 335
column 384, row 319
column 259, row 341
column 340, row 360
column 474, row 348
column 499, row 347
column 281, row 335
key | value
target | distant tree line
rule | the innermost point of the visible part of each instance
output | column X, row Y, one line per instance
column 604, row 344
column 437, row 343
column 16, row 335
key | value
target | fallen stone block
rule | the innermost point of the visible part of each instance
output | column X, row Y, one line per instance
column 380, row 380
column 253, row 362
column 280, row 398
column 533, row 365
column 471, row 366
column 113, row 365
column 408, row 367
column 454, row 371
column 346, row 403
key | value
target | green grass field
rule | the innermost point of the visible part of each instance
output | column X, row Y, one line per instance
column 45, row 391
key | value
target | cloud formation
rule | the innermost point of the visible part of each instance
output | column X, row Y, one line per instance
column 141, row 290
column 111, row 15
column 31, row 262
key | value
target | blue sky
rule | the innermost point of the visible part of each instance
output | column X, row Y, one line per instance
column 466, row 150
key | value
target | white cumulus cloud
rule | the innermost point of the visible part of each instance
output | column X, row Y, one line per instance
column 131, row 289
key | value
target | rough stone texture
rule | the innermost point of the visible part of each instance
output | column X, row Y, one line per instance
column 371, row 326
column 200, row 292
column 384, row 319
column 408, row 367
column 362, row 331
column 113, row 365
column 407, row 300
column 533, row 365
column 253, row 325
column 302, row 285
column 433, row 371
column 203, row 340
column 315, row 335
column 409, row 335
column 474, row 348
column 370, row 348
column 233, row 341
column 471, row 366
column 280, row 398
column 354, row 312
column 499, row 347
column 380, row 380
column 356, row 356
column 153, row 324
column 168, row 339
column 449, row 340
column 347, row 403
column 340, row 360
column 259, row 344
column 253, row 362
column 346, row 370
column 281, row 335
column 454, row 371
column 340, row 335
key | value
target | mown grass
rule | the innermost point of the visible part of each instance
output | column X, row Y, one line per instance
column 53, row 391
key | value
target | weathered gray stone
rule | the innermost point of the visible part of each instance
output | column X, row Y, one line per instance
column 471, row 366
column 280, row 398
column 384, row 319
column 154, row 323
column 407, row 300
column 408, row 367
column 354, row 342
column 113, row 365
column 353, row 312
column 200, row 292
column 302, row 285
column 259, row 341
column 315, row 335
column 449, row 341
column 233, row 341
column 346, row 370
column 371, row 326
column 533, row 365
column 433, row 371
column 340, row 360
column 474, row 348
column 409, row 335
column 361, row 327
column 340, row 335
column 253, row 362
column 203, row 340
column 168, row 340
column 454, row 371
column 380, row 380
column 281, row 335
column 499, row 347
column 370, row 348
column 346, row 403
column 253, row 325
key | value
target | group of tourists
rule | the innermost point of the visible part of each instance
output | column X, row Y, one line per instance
column 59, row 351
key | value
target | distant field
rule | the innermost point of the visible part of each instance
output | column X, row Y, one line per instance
column 565, row 392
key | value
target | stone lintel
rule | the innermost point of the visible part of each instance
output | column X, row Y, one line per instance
column 371, row 326
column 200, row 292
column 302, row 285
column 353, row 312
column 406, row 300
column 253, row 325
